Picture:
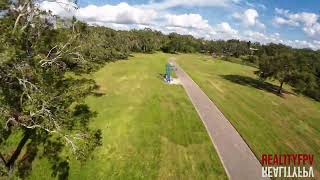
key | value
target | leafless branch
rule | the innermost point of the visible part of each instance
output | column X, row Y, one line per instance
column 71, row 143
column 70, row 4
column 54, row 58
column 24, row 82
column 13, row 120
column 49, row 53
column 70, row 139
column 67, row 138
column 23, row 10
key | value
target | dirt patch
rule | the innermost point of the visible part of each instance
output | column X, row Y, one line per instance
column 175, row 81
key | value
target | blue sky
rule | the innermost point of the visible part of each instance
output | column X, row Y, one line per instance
column 292, row 22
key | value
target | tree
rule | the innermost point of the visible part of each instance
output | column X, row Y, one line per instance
column 307, row 78
column 38, row 103
column 281, row 67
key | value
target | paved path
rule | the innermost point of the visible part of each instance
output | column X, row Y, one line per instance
column 237, row 158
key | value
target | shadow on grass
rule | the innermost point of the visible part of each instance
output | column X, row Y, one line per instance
column 255, row 83
column 95, row 92
column 98, row 94
column 161, row 76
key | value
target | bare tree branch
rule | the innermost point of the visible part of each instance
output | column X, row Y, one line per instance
column 71, row 143
column 68, row 138
column 70, row 4
column 53, row 58
column 8, row 121
column 22, row 12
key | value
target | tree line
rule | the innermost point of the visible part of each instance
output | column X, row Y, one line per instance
column 299, row 68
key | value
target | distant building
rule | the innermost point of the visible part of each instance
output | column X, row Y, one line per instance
column 253, row 49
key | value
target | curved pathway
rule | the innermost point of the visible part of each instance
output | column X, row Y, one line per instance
column 237, row 158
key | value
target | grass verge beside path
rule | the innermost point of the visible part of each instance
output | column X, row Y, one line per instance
column 268, row 123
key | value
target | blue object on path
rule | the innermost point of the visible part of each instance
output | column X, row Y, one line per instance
column 169, row 67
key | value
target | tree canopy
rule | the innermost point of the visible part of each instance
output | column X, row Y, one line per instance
column 38, row 103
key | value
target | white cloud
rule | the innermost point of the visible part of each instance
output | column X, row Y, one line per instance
column 125, row 17
column 306, row 18
column 262, row 6
column 275, row 38
column 255, row 36
column 191, row 3
column 281, row 11
column 282, row 21
column 62, row 8
column 309, row 21
column 120, row 14
column 303, row 44
column 225, row 31
column 198, row 33
column 256, row 5
column 316, row 42
column 187, row 20
column 313, row 31
column 249, row 18
column 225, row 28
column 261, row 37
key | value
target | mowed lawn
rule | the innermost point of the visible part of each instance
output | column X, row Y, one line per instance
column 150, row 129
column 268, row 123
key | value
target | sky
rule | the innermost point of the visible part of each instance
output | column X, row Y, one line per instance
column 292, row 22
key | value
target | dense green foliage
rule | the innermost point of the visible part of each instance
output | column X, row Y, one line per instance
column 298, row 67
column 106, row 44
column 41, row 108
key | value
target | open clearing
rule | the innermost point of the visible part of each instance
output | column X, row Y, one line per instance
column 150, row 130
column 268, row 123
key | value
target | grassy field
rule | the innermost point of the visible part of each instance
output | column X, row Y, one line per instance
column 150, row 129
column 267, row 122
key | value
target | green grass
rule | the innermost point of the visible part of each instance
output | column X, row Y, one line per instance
column 150, row 129
column 267, row 122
